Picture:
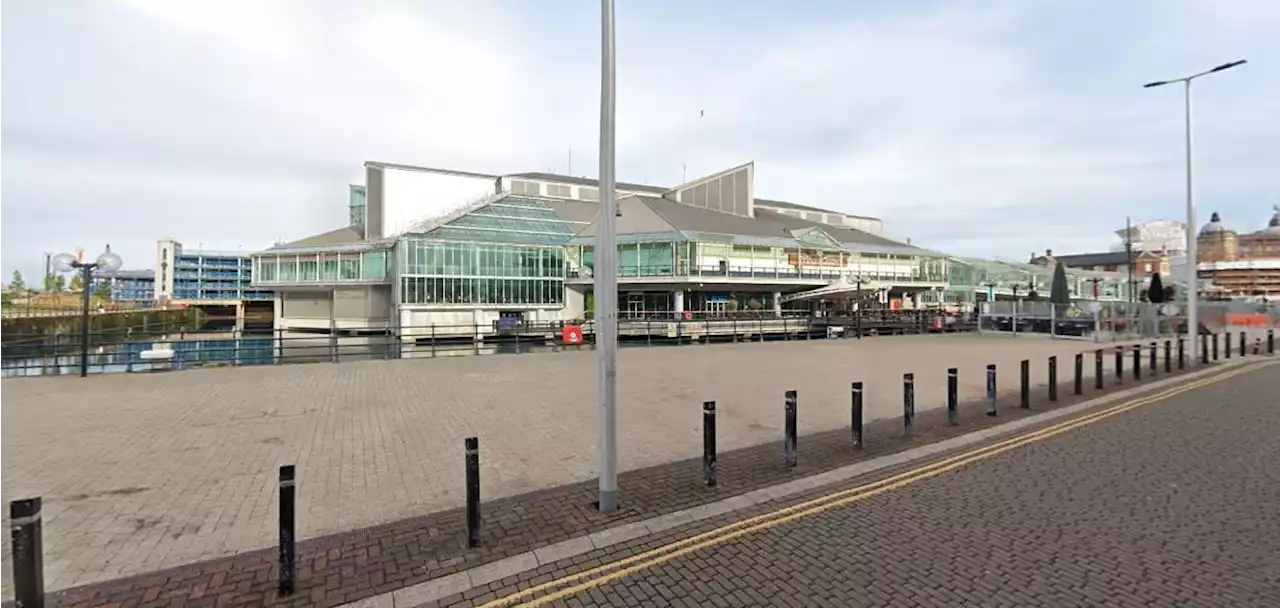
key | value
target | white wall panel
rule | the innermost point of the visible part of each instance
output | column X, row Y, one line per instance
column 410, row 196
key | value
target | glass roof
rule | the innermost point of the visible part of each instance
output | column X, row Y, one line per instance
column 530, row 221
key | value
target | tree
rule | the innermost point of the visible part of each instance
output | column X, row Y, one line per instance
column 77, row 283
column 1059, row 292
column 103, row 289
column 54, row 283
column 17, row 285
column 1155, row 292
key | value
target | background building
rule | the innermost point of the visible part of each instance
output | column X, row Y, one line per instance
column 1240, row 264
column 219, row 282
column 133, row 288
column 1166, row 236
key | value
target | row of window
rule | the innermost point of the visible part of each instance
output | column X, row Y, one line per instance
column 428, row 258
column 366, row 266
column 425, row 290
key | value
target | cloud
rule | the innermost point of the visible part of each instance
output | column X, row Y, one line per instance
column 993, row 129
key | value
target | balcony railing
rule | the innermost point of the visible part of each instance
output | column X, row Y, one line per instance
column 749, row 272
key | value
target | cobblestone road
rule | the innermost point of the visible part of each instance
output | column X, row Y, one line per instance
column 1172, row 504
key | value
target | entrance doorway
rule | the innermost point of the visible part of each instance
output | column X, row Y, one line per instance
column 635, row 306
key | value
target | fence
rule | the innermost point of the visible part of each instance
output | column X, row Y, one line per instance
column 54, row 354
column 1118, row 321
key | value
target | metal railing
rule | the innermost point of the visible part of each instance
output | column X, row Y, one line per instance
column 751, row 272
column 116, row 352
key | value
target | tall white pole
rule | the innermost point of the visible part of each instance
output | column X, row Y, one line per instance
column 606, row 271
column 1193, row 295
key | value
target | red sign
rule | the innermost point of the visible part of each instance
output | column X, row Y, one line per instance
column 571, row 334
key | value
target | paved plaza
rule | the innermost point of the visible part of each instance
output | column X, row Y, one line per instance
column 146, row 471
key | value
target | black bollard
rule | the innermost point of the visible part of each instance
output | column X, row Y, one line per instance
column 472, row 448
column 953, row 400
column 1215, row 347
column 1119, row 365
column 1182, row 355
column 1271, row 341
column 26, row 535
column 1226, row 345
column 1257, row 346
column 991, row 389
column 1137, row 361
column 1097, row 369
column 1024, row 388
column 789, row 437
column 908, row 402
column 1151, row 358
column 1168, row 356
column 709, row 443
column 1079, row 382
column 1053, row 378
column 855, row 422
column 1244, row 345
column 1204, row 350
column 288, row 539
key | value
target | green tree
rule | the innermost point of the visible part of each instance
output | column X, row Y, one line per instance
column 77, row 283
column 54, row 283
column 1058, row 290
column 103, row 289
column 17, row 285
column 1155, row 292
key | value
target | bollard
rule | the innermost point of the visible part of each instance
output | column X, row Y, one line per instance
column 1226, row 345
column 288, row 540
column 1215, row 347
column 472, row 449
column 1168, row 358
column 1097, row 369
column 908, row 402
column 789, row 437
column 709, row 443
column 1079, row 382
column 1271, row 341
column 1024, row 389
column 953, row 400
column 1137, row 361
column 25, row 530
column 1119, row 365
column 1182, row 356
column 1204, row 350
column 1151, row 357
column 1257, row 346
column 1053, row 378
column 991, row 389
column 856, row 415
column 1244, row 345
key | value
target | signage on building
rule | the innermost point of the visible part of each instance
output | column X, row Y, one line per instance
column 812, row 260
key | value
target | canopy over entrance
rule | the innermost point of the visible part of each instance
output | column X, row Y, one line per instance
column 839, row 289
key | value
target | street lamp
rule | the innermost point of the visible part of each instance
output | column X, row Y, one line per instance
column 108, row 262
column 1193, row 324
column 606, row 279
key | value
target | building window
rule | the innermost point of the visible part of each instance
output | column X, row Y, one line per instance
column 1147, row 268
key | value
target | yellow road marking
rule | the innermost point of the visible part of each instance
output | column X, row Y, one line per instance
column 653, row 557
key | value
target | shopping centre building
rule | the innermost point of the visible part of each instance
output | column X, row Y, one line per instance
column 438, row 251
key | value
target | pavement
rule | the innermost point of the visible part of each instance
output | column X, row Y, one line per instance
column 141, row 472
column 1169, row 500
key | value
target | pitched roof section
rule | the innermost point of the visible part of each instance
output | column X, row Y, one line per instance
column 1108, row 258
column 636, row 218
column 342, row 236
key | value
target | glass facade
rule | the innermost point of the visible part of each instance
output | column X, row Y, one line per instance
column 481, row 274
column 326, row 268
column 514, row 220
column 703, row 259
column 969, row 277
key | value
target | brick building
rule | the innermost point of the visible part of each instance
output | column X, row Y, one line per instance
column 1241, row 264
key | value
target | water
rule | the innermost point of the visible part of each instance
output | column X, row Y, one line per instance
column 127, row 357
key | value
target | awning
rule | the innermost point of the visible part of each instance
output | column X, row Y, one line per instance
column 840, row 288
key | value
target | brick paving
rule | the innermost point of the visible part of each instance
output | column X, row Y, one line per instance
column 141, row 472
column 353, row 565
column 1171, row 504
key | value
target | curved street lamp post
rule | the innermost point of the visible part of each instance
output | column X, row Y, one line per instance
column 107, row 262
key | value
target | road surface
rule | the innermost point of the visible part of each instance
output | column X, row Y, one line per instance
column 1172, row 503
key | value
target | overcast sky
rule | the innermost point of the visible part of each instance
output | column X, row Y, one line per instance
column 982, row 128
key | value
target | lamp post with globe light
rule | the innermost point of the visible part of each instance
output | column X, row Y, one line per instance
column 107, row 262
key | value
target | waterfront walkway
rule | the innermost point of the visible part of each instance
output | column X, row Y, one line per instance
column 147, row 471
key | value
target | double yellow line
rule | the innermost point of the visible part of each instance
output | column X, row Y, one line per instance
column 625, row 567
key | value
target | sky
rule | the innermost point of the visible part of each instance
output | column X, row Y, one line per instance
column 987, row 128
